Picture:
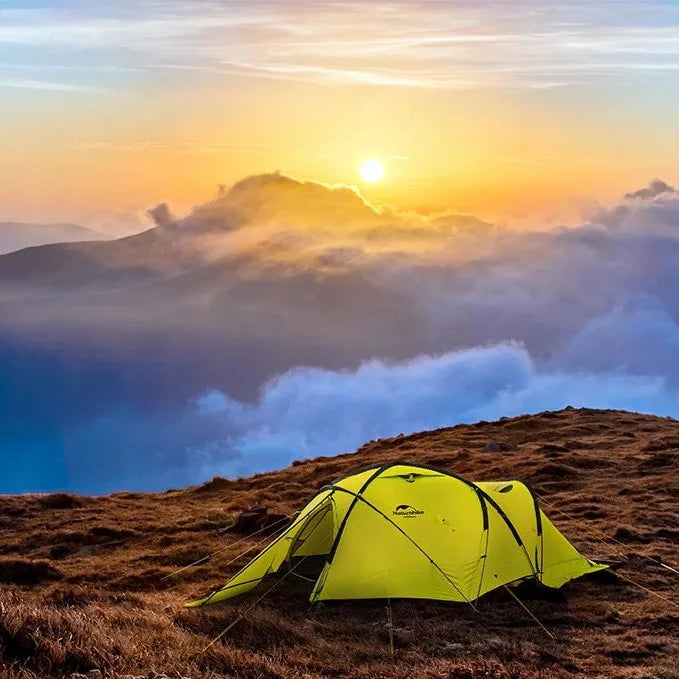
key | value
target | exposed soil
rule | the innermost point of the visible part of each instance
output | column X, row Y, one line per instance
column 83, row 588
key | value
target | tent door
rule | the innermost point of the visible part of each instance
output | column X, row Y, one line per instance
column 316, row 536
column 312, row 543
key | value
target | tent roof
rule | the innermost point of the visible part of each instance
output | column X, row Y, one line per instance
column 410, row 530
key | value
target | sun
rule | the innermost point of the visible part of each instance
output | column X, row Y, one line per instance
column 371, row 170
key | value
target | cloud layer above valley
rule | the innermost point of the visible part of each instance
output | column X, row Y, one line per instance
column 289, row 319
column 308, row 412
column 312, row 411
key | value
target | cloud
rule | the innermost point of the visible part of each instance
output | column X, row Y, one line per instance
column 596, row 326
column 307, row 412
column 288, row 318
column 462, row 45
column 656, row 188
column 642, row 339
column 161, row 215
column 29, row 84
column 304, row 223
column 155, row 146
column 654, row 208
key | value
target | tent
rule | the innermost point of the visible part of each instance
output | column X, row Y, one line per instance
column 403, row 530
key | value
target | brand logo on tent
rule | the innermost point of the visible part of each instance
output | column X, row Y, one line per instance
column 407, row 511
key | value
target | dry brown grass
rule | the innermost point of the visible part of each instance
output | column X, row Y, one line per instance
column 83, row 585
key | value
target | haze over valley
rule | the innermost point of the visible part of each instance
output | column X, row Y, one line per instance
column 289, row 318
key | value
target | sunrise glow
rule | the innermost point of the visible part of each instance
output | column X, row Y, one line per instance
column 113, row 122
column 371, row 170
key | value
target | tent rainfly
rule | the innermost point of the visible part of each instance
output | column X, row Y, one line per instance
column 410, row 531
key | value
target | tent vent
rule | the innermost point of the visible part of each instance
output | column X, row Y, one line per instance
column 505, row 489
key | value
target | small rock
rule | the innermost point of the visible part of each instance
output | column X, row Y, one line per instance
column 626, row 534
column 94, row 674
column 450, row 646
column 77, row 675
column 612, row 617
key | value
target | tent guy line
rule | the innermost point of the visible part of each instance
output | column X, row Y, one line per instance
column 601, row 536
column 243, row 539
column 259, row 599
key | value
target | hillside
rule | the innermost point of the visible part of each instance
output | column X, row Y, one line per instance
column 84, row 583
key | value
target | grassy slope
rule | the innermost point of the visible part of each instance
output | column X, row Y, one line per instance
column 83, row 575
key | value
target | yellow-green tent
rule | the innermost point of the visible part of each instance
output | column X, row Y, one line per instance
column 410, row 531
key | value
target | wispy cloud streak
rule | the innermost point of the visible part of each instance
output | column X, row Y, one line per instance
column 395, row 44
column 25, row 84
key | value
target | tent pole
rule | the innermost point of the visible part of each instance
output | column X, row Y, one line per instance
column 390, row 627
column 532, row 615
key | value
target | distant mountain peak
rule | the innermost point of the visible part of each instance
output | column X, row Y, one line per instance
column 18, row 235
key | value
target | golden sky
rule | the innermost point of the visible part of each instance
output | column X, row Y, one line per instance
column 511, row 110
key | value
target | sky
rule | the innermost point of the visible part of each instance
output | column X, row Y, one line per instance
column 520, row 253
column 515, row 111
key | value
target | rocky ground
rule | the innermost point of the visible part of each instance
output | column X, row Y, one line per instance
column 87, row 585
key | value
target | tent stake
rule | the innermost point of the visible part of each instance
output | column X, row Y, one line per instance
column 532, row 615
